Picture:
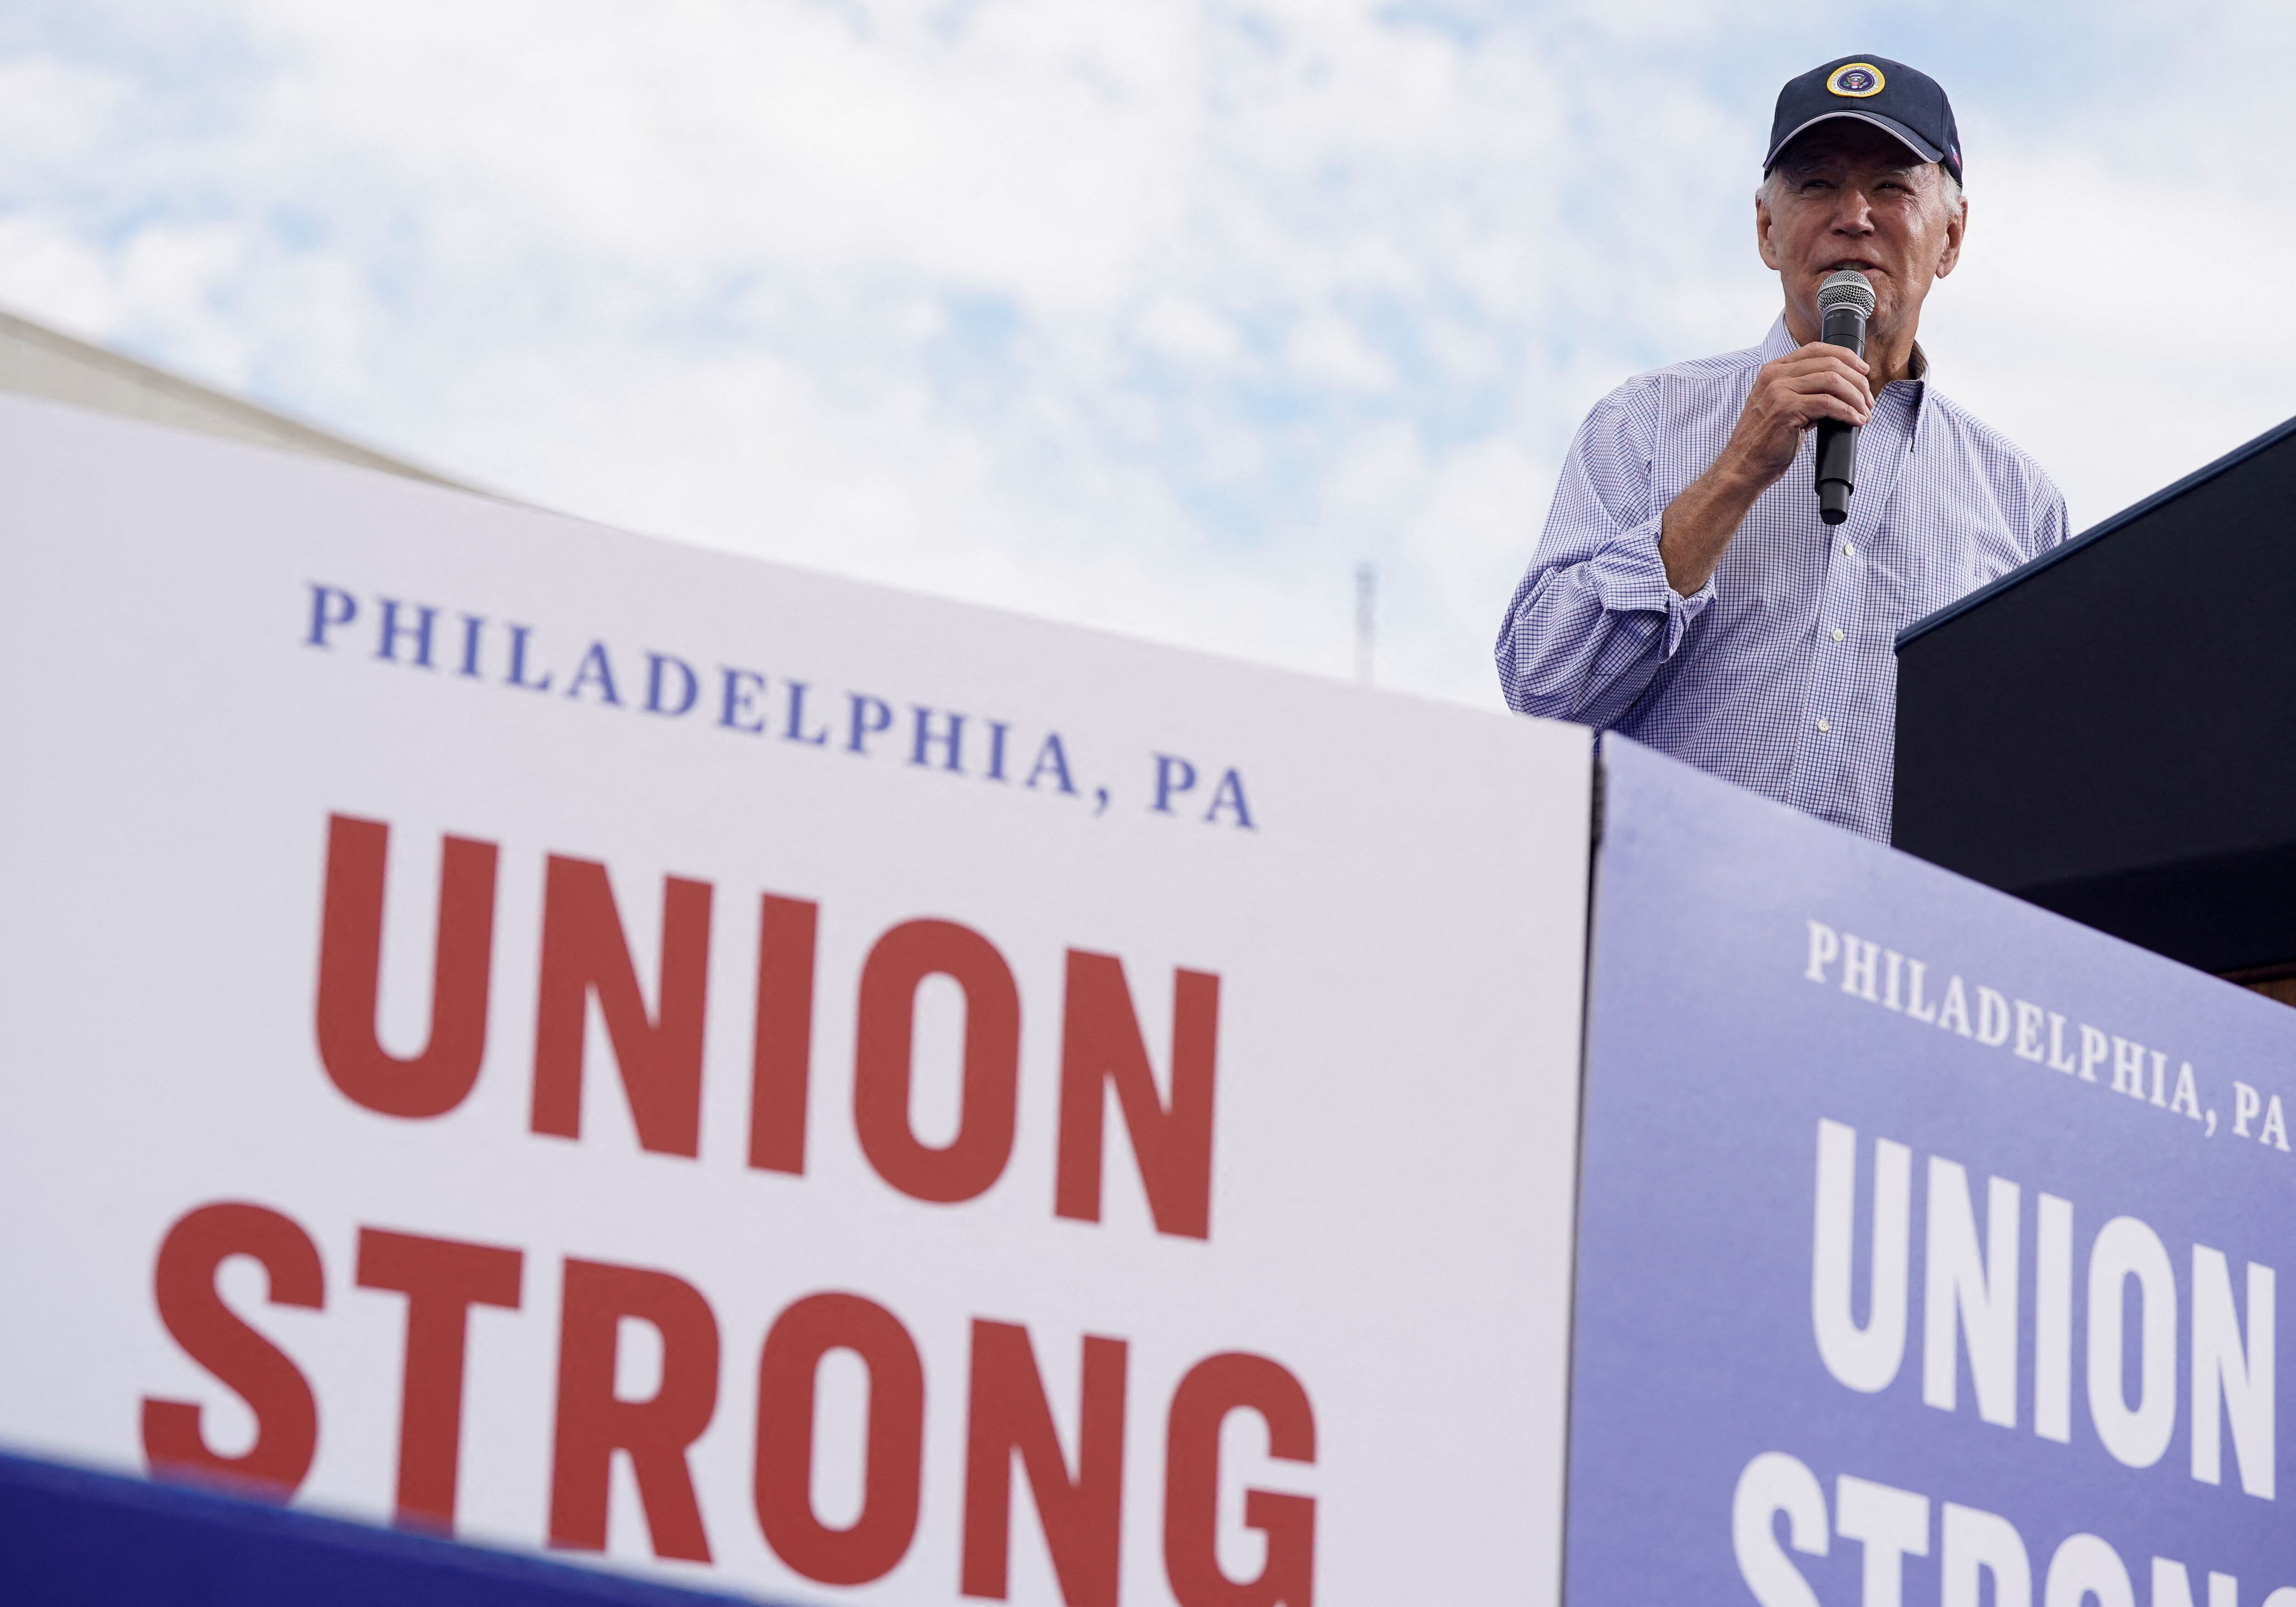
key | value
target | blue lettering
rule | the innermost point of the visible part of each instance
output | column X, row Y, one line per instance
column 741, row 686
column 1229, row 794
column 656, row 662
column 952, row 740
column 1173, row 776
column 870, row 715
column 594, row 668
column 324, row 618
column 517, row 676
column 1053, row 757
column 795, row 732
column 472, row 624
column 998, row 732
column 387, row 649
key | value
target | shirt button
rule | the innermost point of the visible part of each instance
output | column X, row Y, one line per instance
column 1826, row 725
column 1837, row 633
column 1849, row 551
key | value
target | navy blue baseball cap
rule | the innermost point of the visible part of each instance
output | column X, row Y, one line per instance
column 1889, row 94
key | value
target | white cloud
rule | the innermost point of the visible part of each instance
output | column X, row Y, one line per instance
column 1157, row 316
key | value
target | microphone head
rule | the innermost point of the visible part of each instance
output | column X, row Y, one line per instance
column 1846, row 287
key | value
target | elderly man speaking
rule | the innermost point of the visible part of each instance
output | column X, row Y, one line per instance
column 1686, row 592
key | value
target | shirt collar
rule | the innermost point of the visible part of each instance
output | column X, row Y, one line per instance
column 1780, row 341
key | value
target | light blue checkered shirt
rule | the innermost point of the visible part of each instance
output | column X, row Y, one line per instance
column 1779, row 673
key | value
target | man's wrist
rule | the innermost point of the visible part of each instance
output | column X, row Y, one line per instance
column 1679, row 550
column 1697, row 525
column 1732, row 479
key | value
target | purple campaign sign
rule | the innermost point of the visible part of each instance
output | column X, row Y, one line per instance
column 1929, row 1244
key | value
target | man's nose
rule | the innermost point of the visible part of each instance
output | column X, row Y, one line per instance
column 1853, row 214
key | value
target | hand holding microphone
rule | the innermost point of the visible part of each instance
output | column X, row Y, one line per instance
column 1824, row 384
column 1844, row 302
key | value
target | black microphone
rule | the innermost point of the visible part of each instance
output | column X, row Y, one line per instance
column 1844, row 302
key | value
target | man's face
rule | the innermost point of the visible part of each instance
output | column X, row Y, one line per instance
column 1849, row 196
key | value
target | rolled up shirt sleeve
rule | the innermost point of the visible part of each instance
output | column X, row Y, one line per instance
column 1594, row 618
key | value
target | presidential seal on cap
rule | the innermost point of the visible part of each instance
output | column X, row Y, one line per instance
column 1858, row 80
column 1891, row 96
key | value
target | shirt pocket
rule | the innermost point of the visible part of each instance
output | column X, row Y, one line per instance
column 1950, row 550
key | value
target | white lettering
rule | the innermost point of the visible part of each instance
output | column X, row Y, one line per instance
column 1824, row 947
column 1773, row 1483
column 2059, row 1059
column 2243, row 1379
column 2187, row 1098
column 2246, row 1105
column 1958, row 1285
column 2125, row 1248
column 2172, row 1587
column 1956, row 1013
column 1865, row 1359
column 1992, row 1018
column 2053, row 1320
column 2029, row 1031
column 1921, row 1010
column 1893, row 1524
column 1975, row 1543
column 2128, row 1068
column 1858, row 958
column 2084, row 1567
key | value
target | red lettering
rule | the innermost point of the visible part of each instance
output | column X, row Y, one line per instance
column 781, row 1056
column 883, row 1044
column 1082, row 1515
column 893, row 1470
column 286, row 1415
column 584, row 952
column 1101, row 1044
column 1214, row 1388
column 350, row 964
column 594, row 1422
column 441, row 1279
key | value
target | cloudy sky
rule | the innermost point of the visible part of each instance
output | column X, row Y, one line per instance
column 1160, row 318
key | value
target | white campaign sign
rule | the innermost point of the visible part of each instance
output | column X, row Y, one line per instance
column 727, row 1071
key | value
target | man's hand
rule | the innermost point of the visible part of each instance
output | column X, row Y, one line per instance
column 1816, row 382
column 1790, row 395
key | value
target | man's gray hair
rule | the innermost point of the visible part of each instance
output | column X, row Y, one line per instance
column 1768, row 191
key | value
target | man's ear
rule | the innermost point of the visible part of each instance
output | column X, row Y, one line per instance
column 1955, row 228
column 1762, row 231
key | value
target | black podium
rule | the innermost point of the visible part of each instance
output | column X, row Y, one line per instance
column 2110, row 732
